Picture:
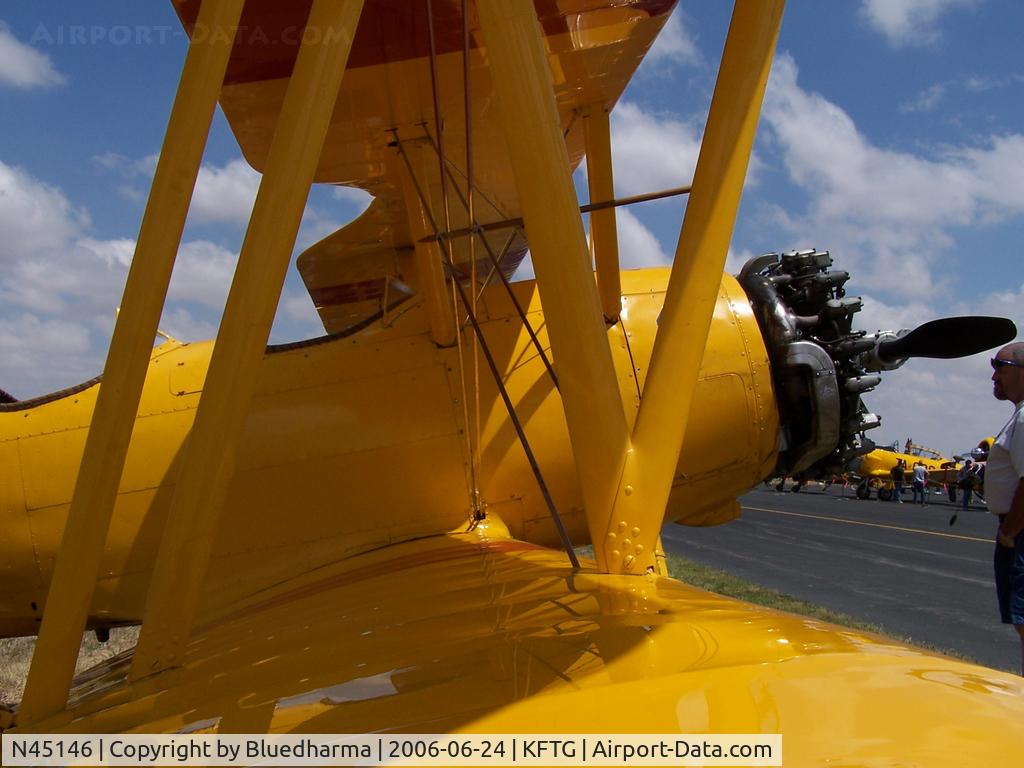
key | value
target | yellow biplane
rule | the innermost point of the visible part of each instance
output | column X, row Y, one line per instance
column 376, row 530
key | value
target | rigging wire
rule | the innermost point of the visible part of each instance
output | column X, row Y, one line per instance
column 476, row 230
column 471, row 217
column 446, row 247
column 495, row 374
column 563, row 534
column 459, row 291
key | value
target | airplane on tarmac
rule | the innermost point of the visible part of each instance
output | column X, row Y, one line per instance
column 873, row 470
column 376, row 530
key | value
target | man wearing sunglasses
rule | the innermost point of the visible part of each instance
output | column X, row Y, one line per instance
column 1004, row 488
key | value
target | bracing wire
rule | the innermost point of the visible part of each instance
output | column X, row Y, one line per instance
column 471, row 216
column 446, row 247
column 469, row 304
column 475, row 230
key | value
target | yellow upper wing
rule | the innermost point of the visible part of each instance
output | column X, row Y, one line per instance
column 383, row 136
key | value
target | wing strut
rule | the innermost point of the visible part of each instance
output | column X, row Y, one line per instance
column 572, row 311
column 604, row 237
column 429, row 264
column 208, row 464
column 78, row 561
column 695, row 280
column 472, row 434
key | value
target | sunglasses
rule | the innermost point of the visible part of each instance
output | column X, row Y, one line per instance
column 997, row 363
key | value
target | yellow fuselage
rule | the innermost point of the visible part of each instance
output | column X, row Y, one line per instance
column 878, row 464
column 360, row 442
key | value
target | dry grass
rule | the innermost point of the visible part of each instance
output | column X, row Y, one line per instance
column 16, row 655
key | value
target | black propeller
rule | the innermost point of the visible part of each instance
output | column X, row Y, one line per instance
column 950, row 337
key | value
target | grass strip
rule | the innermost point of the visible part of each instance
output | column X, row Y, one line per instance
column 723, row 583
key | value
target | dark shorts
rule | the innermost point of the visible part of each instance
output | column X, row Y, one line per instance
column 1009, row 567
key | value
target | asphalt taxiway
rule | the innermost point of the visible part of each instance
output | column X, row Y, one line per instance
column 901, row 567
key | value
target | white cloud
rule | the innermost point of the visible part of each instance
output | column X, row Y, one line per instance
column 651, row 153
column 296, row 317
column 890, row 214
column 202, row 275
column 22, row 66
column 113, row 253
column 909, row 22
column 110, row 160
column 943, row 404
column 735, row 260
column 926, row 101
column 40, row 355
column 183, row 325
column 675, row 44
column 59, row 288
column 891, row 218
column 34, row 216
column 225, row 194
column 359, row 198
column 638, row 247
column 1006, row 303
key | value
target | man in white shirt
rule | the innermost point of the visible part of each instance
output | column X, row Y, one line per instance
column 920, row 482
column 1004, row 488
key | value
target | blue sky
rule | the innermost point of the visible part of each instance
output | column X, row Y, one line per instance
column 892, row 135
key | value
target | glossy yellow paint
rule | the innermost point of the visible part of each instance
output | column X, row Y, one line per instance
column 429, row 276
column 107, row 444
column 209, row 460
column 631, row 533
column 333, row 429
column 349, row 590
column 477, row 632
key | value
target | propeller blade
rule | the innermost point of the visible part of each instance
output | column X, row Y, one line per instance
column 950, row 337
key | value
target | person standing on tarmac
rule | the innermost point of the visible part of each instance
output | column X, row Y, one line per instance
column 1004, row 489
column 965, row 480
column 920, row 482
column 897, row 474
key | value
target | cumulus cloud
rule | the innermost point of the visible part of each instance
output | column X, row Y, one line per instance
column 892, row 213
column 652, row 152
column 181, row 324
column 27, row 342
column 22, row 66
column 892, row 219
column 225, row 194
column 942, row 404
column 34, row 215
column 909, row 22
column 296, row 317
column 113, row 253
column 638, row 247
column 202, row 274
column 60, row 287
column 674, row 45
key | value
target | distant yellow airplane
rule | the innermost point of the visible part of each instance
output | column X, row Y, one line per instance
column 375, row 531
column 873, row 470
